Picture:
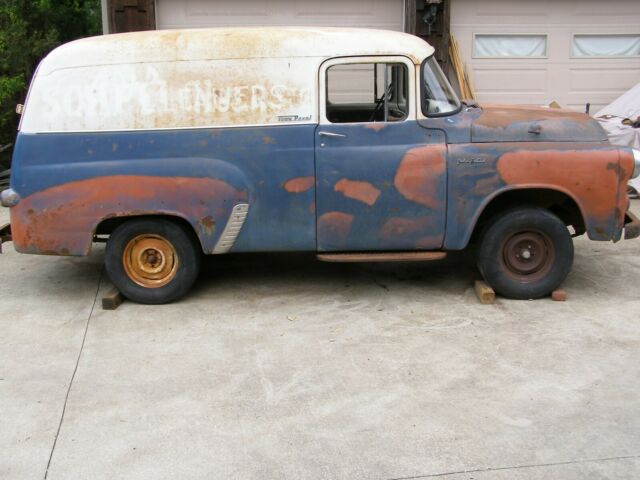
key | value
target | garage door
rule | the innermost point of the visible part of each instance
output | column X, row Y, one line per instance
column 384, row 14
column 537, row 51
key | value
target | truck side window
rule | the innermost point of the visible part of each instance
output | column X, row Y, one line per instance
column 367, row 92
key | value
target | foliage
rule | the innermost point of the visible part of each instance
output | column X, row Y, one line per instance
column 29, row 29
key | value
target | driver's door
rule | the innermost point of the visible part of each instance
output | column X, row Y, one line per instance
column 380, row 176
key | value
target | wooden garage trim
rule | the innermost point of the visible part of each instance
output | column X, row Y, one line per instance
column 131, row 15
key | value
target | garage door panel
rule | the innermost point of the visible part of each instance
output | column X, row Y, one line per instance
column 334, row 7
column 603, row 80
column 570, row 81
column 204, row 8
column 499, row 80
column 385, row 14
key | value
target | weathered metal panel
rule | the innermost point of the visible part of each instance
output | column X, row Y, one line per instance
column 382, row 188
column 590, row 173
column 516, row 123
column 194, row 78
column 70, row 182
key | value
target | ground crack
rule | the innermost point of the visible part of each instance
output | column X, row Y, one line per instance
column 73, row 375
column 515, row 467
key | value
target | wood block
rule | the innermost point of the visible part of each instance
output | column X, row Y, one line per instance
column 559, row 295
column 485, row 293
column 112, row 299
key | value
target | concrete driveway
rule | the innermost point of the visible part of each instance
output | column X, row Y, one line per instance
column 277, row 366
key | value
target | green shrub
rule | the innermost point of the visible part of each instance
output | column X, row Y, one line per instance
column 29, row 29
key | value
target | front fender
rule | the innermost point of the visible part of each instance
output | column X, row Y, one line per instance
column 592, row 174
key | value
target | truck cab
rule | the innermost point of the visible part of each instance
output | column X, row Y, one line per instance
column 349, row 143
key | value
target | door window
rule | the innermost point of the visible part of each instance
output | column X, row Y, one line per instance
column 367, row 92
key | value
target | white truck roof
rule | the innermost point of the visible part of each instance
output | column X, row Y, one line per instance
column 170, row 79
column 233, row 43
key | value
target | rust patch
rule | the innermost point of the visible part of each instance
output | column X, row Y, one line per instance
column 63, row 218
column 361, row 191
column 299, row 184
column 399, row 227
column 335, row 227
column 419, row 175
column 207, row 224
column 375, row 126
column 501, row 116
column 268, row 140
column 572, row 171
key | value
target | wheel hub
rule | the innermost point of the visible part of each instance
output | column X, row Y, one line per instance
column 528, row 254
column 150, row 260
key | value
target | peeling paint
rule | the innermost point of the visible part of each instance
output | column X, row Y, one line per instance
column 336, row 226
column 357, row 190
column 419, row 174
column 299, row 185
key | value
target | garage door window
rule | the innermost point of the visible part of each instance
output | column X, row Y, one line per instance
column 367, row 92
column 509, row 46
column 606, row 46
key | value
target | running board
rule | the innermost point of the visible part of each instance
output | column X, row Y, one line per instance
column 381, row 257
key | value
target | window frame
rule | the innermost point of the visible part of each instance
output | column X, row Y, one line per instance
column 475, row 56
column 601, row 57
column 423, row 100
column 412, row 98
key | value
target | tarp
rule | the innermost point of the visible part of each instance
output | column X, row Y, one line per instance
column 625, row 106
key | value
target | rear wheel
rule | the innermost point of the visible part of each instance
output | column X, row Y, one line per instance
column 152, row 260
column 525, row 253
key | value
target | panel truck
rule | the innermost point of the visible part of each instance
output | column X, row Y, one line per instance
column 349, row 143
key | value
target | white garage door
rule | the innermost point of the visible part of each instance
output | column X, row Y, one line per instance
column 537, row 51
column 384, row 14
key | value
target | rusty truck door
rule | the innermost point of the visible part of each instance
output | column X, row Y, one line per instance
column 380, row 176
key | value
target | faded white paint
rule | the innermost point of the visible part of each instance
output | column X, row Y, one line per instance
column 195, row 78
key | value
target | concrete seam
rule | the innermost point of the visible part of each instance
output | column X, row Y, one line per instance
column 515, row 467
column 73, row 375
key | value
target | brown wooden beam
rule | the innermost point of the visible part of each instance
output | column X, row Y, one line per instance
column 410, row 16
column 131, row 15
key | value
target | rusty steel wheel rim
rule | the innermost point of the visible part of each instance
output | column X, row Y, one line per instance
column 528, row 256
column 150, row 260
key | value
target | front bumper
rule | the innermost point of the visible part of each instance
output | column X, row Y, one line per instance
column 5, row 234
column 631, row 226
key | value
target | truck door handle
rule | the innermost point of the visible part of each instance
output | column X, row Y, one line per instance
column 331, row 134
column 535, row 129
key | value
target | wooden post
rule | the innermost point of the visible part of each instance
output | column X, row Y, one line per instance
column 131, row 15
column 410, row 16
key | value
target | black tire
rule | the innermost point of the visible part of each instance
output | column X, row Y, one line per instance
column 525, row 253
column 148, row 245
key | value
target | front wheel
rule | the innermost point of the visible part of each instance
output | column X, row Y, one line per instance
column 152, row 261
column 525, row 253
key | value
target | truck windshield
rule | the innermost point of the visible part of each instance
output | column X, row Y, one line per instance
column 438, row 96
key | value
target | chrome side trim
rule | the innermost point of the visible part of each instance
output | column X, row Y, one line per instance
column 232, row 228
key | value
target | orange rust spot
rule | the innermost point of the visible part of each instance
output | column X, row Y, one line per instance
column 398, row 227
column 268, row 140
column 335, row 227
column 419, row 175
column 375, row 126
column 429, row 242
column 207, row 224
column 501, row 116
column 361, row 191
column 299, row 184
column 587, row 174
